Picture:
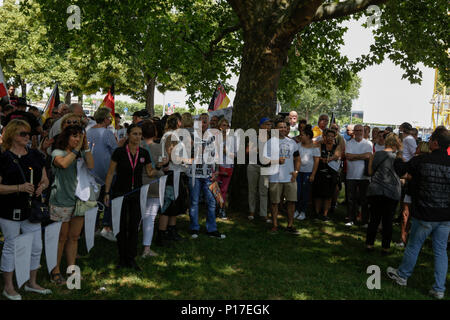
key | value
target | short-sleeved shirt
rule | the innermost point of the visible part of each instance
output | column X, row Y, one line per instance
column 307, row 158
column 355, row 169
column 288, row 149
column 103, row 143
column 409, row 148
column 10, row 174
column 124, row 171
column 63, row 188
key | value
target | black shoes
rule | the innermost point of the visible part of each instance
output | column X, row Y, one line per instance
column 173, row 234
column 163, row 238
column 292, row 230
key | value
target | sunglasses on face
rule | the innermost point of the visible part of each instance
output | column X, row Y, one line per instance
column 72, row 122
column 24, row 133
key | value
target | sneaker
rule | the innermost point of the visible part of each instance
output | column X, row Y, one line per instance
column 435, row 294
column 292, row 230
column 222, row 214
column 393, row 274
column 216, row 234
column 194, row 234
column 400, row 244
column 268, row 221
column 149, row 253
column 296, row 214
column 108, row 235
column 302, row 216
column 251, row 218
column 349, row 224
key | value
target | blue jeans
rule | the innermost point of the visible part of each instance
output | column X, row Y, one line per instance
column 420, row 230
column 303, row 190
column 202, row 184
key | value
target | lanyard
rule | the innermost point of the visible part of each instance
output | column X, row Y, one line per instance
column 133, row 166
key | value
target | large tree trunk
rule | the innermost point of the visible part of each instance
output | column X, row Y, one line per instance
column 80, row 98
column 150, row 95
column 23, row 87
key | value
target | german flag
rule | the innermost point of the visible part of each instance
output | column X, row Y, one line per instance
column 3, row 89
column 108, row 102
column 219, row 99
column 53, row 101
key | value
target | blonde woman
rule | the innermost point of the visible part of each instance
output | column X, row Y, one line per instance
column 15, row 192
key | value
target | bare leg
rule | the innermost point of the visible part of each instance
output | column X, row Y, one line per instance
column 63, row 234
column 76, row 225
column 291, row 209
column 327, row 206
column 32, row 282
column 163, row 222
column 275, row 214
column 318, row 205
column 9, row 286
column 172, row 221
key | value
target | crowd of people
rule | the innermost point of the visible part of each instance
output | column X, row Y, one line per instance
column 378, row 169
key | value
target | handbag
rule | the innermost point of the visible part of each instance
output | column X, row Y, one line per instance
column 38, row 209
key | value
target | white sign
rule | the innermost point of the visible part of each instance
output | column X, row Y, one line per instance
column 22, row 257
column 51, row 244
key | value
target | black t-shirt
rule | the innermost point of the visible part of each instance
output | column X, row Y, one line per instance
column 28, row 117
column 11, row 175
column 124, row 172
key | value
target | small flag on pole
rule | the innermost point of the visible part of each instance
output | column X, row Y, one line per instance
column 219, row 99
column 108, row 102
column 3, row 89
column 53, row 101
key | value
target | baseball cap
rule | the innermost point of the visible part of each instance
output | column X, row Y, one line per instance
column 263, row 120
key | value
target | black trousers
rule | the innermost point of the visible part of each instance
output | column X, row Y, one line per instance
column 357, row 196
column 127, row 238
column 381, row 209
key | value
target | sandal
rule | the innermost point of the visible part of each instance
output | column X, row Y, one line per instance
column 57, row 278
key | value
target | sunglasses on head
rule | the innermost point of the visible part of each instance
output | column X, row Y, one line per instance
column 24, row 133
column 73, row 122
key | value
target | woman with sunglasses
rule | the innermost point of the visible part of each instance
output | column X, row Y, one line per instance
column 14, row 198
column 128, row 163
column 71, row 145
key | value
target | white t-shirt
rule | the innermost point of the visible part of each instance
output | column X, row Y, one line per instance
column 409, row 148
column 287, row 147
column 307, row 158
column 378, row 147
column 355, row 169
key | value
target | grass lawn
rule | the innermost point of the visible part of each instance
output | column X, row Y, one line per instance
column 326, row 261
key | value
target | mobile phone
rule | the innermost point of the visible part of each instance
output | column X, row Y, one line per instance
column 16, row 214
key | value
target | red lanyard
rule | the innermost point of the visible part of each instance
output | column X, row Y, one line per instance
column 133, row 166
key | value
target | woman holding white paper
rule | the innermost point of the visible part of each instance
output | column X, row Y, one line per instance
column 71, row 145
column 14, row 196
column 128, row 163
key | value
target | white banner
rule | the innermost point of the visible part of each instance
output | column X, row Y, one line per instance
column 22, row 257
column 89, row 227
column 116, row 208
column 176, row 182
column 162, row 189
column 143, row 198
column 51, row 244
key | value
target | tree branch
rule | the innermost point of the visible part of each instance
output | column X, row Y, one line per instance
column 341, row 9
